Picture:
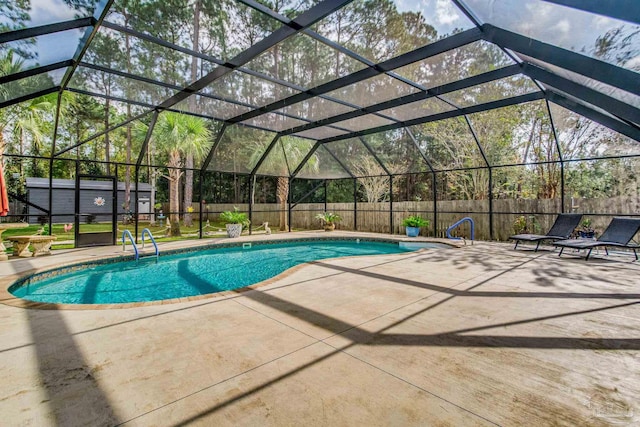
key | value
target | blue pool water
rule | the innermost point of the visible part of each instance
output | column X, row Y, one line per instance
column 188, row 274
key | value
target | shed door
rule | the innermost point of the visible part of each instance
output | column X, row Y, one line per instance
column 96, row 219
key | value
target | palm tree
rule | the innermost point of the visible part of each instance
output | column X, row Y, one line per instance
column 7, row 67
column 23, row 119
column 32, row 124
column 179, row 135
column 275, row 162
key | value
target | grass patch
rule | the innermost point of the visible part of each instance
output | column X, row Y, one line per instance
column 216, row 228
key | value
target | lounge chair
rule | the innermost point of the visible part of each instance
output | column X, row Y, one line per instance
column 561, row 229
column 619, row 233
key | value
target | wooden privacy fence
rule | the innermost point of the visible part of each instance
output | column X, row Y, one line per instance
column 375, row 217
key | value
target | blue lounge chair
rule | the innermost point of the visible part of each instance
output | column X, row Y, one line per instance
column 618, row 234
column 561, row 229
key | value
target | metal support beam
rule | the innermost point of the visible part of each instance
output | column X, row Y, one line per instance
column 251, row 190
column 289, row 205
column 310, row 192
column 135, row 204
column 467, row 12
column 340, row 162
column 424, row 52
column 201, row 189
column 53, row 148
column 391, row 205
column 216, row 142
column 50, row 211
column 557, row 141
column 302, row 21
column 607, row 103
column 434, row 186
column 99, row 134
column 417, row 145
column 147, row 138
column 84, row 45
column 34, row 71
column 306, row 158
column 325, row 195
column 118, row 99
column 327, row 42
column 407, row 99
column 355, row 204
column 603, row 119
column 76, row 208
column 491, row 204
column 375, row 156
column 264, row 155
column 55, row 125
column 217, row 61
column 625, row 10
column 28, row 97
column 599, row 70
column 27, row 33
column 446, row 115
column 486, row 160
column 433, row 176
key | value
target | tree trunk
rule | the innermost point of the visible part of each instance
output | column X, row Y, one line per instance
column 174, row 201
column 282, row 191
column 188, row 178
column 127, row 171
column 152, row 181
column 174, row 193
column 187, row 201
column 107, row 158
column 21, row 152
column 253, row 191
column 127, row 175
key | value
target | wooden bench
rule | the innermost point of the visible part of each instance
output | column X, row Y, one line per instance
column 41, row 245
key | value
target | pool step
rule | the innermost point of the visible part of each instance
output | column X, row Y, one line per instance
column 146, row 252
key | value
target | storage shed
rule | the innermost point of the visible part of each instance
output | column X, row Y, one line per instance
column 95, row 199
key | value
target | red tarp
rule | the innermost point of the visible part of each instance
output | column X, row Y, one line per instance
column 4, row 199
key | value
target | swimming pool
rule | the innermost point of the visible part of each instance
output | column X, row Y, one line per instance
column 187, row 274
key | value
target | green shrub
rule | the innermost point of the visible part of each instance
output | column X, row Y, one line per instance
column 415, row 221
column 329, row 218
column 235, row 217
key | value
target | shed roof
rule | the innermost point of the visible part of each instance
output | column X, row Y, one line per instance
column 70, row 184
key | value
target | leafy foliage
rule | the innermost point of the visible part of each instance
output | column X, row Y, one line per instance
column 235, row 217
column 329, row 218
column 415, row 221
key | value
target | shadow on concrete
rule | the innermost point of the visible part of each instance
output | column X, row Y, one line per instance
column 358, row 336
column 67, row 378
column 73, row 394
column 489, row 294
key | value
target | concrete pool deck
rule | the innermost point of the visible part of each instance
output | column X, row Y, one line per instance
column 480, row 335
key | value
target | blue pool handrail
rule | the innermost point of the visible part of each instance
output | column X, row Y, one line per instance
column 457, row 223
column 127, row 233
column 155, row 245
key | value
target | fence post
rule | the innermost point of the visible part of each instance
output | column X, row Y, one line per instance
column 355, row 204
column 390, row 204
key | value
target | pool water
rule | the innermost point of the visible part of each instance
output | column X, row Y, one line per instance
column 188, row 274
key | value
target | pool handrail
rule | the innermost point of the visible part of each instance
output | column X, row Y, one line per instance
column 458, row 223
column 127, row 233
column 155, row 245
